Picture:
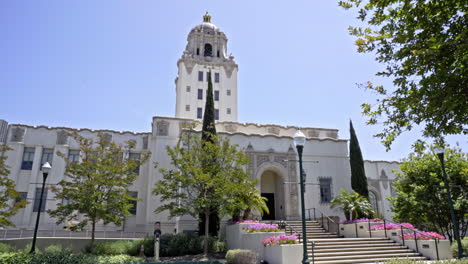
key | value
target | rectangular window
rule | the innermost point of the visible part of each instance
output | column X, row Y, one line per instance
column 135, row 157
column 216, row 114
column 22, row 197
column 28, row 157
column 37, row 198
column 216, row 77
column 228, row 92
column 92, row 156
column 188, row 89
column 325, row 190
column 200, row 76
column 73, row 155
column 199, row 112
column 134, row 204
column 200, row 94
column 216, row 95
column 187, row 108
column 47, row 156
column 208, row 76
column 228, row 111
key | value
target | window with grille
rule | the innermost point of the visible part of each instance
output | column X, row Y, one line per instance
column 200, row 94
column 134, row 204
column 135, row 157
column 216, row 95
column 28, row 157
column 216, row 114
column 73, row 155
column 47, row 156
column 199, row 112
column 325, row 190
column 200, row 76
column 228, row 92
column 37, row 199
column 216, row 77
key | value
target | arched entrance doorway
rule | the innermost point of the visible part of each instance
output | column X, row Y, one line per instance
column 271, row 187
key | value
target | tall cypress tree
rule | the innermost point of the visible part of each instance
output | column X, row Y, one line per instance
column 208, row 135
column 358, row 174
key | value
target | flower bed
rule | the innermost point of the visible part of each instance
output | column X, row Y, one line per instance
column 284, row 254
column 261, row 227
column 280, row 240
column 421, row 235
column 362, row 220
column 391, row 226
column 245, row 222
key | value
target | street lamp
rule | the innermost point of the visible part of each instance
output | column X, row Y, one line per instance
column 45, row 172
column 299, row 142
column 440, row 152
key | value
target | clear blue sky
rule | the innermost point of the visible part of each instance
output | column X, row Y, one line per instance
column 111, row 64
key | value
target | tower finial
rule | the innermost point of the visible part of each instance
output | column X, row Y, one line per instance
column 207, row 18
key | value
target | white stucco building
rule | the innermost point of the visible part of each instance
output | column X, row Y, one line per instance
column 268, row 146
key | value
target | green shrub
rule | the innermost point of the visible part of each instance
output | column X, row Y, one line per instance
column 15, row 258
column 61, row 258
column 219, row 247
column 5, row 248
column 129, row 247
column 241, row 256
column 57, row 248
column 464, row 245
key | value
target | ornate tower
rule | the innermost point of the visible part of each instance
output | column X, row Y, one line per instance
column 206, row 51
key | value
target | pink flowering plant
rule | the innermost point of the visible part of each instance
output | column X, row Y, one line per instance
column 362, row 220
column 245, row 222
column 261, row 227
column 391, row 226
column 421, row 235
column 280, row 240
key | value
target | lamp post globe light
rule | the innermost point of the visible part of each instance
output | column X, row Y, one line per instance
column 440, row 152
column 299, row 142
column 45, row 172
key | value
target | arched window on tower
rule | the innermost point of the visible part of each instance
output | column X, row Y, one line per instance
column 208, row 50
column 198, row 51
column 217, row 53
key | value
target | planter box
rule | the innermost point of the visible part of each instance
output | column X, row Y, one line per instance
column 428, row 248
column 234, row 235
column 284, row 254
column 253, row 241
column 360, row 229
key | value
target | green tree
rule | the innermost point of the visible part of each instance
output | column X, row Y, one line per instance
column 191, row 187
column 7, row 192
column 422, row 197
column 208, row 135
column 96, row 188
column 358, row 173
column 353, row 205
column 424, row 48
column 245, row 200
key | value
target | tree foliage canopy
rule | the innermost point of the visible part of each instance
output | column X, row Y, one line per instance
column 206, row 176
column 422, row 197
column 358, row 173
column 353, row 205
column 96, row 188
column 8, row 208
column 424, row 48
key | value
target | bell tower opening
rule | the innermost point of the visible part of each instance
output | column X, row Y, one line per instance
column 208, row 50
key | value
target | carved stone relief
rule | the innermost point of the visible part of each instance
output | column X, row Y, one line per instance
column 162, row 128
column 17, row 134
column 262, row 159
column 189, row 65
column 273, row 130
column 332, row 134
column 230, row 128
column 313, row 133
column 62, row 137
column 229, row 67
column 281, row 160
column 145, row 142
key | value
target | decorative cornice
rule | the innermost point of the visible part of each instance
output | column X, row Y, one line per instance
column 81, row 129
column 274, row 125
column 383, row 161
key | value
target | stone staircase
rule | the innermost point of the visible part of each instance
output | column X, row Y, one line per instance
column 333, row 249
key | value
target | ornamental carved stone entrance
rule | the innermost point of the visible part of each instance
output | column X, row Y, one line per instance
column 276, row 177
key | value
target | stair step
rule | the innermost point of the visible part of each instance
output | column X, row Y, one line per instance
column 366, row 252
column 360, row 247
column 381, row 255
column 362, row 261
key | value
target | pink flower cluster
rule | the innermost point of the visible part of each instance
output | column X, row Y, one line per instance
column 245, row 222
column 391, row 226
column 261, row 227
column 362, row 220
column 421, row 235
column 280, row 240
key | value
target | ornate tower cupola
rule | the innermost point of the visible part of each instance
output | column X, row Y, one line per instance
column 206, row 50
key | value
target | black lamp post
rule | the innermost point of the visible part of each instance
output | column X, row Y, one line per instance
column 45, row 172
column 299, row 142
column 440, row 152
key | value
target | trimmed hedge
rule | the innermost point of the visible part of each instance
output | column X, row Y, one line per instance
column 241, row 256
column 60, row 258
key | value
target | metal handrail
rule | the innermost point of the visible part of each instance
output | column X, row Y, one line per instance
column 315, row 210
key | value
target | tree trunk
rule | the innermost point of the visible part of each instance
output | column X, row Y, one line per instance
column 93, row 230
column 247, row 214
column 207, row 225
